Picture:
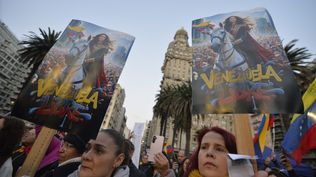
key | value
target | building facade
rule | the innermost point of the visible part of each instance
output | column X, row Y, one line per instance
column 177, row 69
column 12, row 72
column 115, row 115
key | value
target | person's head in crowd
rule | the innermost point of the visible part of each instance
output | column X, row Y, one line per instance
column 181, row 156
column 11, row 132
column 130, row 148
column 29, row 136
column 144, row 159
column 72, row 146
column 186, row 162
column 103, row 155
column 210, row 157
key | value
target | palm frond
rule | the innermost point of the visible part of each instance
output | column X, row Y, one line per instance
column 35, row 47
column 301, row 63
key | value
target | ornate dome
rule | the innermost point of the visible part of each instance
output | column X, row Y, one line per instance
column 181, row 33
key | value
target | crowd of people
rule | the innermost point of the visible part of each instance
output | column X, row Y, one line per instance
column 110, row 154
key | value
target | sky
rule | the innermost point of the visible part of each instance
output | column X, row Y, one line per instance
column 153, row 24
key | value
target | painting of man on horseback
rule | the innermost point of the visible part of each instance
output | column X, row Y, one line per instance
column 69, row 92
column 242, row 75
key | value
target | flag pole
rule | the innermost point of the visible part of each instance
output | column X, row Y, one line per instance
column 273, row 136
column 244, row 136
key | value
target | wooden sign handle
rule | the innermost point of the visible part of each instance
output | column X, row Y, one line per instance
column 243, row 135
column 37, row 153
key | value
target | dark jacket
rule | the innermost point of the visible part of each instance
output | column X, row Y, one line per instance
column 134, row 172
column 147, row 169
column 66, row 168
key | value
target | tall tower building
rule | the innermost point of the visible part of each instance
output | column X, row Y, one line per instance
column 12, row 72
column 177, row 69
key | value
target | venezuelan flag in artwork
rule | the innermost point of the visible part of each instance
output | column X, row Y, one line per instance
column 75, row 31
column 260, row 137
column 201, row 26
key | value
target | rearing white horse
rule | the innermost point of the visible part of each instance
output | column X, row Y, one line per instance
column 74, row 60
column 228, row 57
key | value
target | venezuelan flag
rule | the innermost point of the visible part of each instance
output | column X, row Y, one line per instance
column 168, row 149
column 75, row 31
column 308, row 98
column 260, row 137
column 201, row 26
column 300, row 137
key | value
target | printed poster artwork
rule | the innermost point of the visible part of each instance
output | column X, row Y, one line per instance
column 72, row 88
column 239, row 66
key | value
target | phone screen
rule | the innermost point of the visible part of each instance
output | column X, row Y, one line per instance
column 155, row 147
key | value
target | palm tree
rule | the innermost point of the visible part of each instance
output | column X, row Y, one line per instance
column 182, row 111
column 176, row 101
column 161, row 108
column 36, row 47
column 303, row 67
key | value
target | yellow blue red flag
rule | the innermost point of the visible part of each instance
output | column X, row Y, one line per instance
column 308, row 98
column 300, row 137
column 260, row 137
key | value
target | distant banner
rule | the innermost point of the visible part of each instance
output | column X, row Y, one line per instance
column 72, row 88
column 239, row 66
column 137, row 141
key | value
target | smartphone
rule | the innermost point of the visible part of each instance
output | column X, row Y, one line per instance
column 155, row 147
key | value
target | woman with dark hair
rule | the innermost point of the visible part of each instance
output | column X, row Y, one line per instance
column 99, row 46
column 102, row 156
column 11, row 132
column 244, row 43
column 210, row 157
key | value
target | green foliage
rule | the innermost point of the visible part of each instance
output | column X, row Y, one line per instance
column 303, row 66
column 36, row 47
column 176, row 101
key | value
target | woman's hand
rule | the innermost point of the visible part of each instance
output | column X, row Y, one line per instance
column 161, row 164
